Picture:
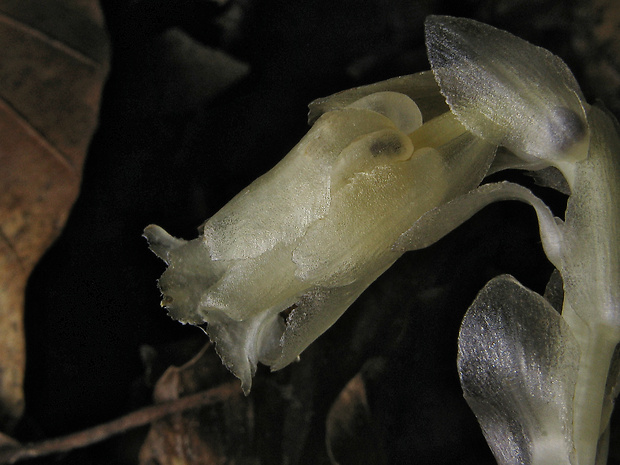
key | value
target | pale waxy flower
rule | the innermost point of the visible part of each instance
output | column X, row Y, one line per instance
column 281, row 262
column 394, row 166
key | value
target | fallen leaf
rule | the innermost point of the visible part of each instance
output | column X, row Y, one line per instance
column 53, row 62
column 214, row 434
column 352, row 434
column 7, row 442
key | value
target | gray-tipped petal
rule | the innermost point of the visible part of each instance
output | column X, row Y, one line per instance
column 507, row 90
column 518, row 363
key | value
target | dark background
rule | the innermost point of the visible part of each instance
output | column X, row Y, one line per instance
column 177, row 140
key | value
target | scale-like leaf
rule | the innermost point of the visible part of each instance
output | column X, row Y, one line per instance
column 518, row 364
column 507, row 90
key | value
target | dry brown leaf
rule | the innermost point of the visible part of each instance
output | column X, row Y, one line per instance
column 352, row 435
column 214, row 434
column 53, row 61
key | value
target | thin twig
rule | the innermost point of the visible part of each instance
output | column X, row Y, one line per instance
column 120, row 425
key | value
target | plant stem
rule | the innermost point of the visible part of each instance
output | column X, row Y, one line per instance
column 597, row 349
column 120, row 425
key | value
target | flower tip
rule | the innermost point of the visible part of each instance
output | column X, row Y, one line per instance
column 508, row 91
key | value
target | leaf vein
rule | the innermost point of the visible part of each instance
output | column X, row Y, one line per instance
column 49, row 40
column 38, row 136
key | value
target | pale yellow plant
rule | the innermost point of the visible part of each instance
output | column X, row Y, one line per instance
column 279, row 264
column 395, row 166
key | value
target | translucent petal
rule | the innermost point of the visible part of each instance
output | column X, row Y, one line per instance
column 420, row 87
column 518, row 364
column 314, row 313
column 242, row 344
column 602, row 453
column 367, row 215
column 507, row 90
column 190, row 272
column 399, row 108
column 248, row 287
column 552, row 178
column 380, row 148
column 279, row 206
column 506, row 160
column 438, row 222
column 370, row 212
column 554, row 290
column 160, row 242
column 612, row 389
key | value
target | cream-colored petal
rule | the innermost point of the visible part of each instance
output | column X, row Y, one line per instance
column 281, row 204
column 399, row 108
column 419, row 87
